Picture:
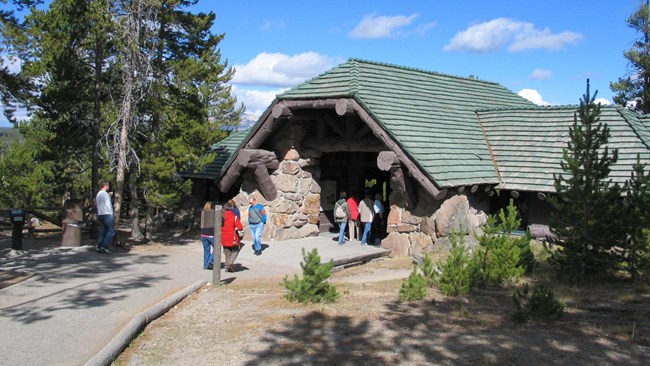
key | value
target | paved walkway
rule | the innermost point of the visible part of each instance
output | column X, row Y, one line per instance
column 81, row 306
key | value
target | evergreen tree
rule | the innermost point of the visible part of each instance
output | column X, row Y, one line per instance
column 633, row 91
column 637, row 214
column 313, row 287
column 587, row 206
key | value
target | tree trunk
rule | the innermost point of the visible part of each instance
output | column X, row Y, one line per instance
column 134, row 212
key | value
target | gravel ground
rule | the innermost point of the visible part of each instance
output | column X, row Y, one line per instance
column 250, row 323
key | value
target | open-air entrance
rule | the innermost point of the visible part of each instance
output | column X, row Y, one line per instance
column 353, row 173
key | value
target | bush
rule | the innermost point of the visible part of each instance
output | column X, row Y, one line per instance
column 501, row 257
column 541, row 304
column 414, row 287
column 454, row 276
column 313, row 287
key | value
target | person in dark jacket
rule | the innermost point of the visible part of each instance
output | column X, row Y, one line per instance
column 207, row 234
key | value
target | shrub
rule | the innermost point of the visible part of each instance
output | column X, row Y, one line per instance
column 313, row 287
column 501, row 257
column 454, row 276
column 414, row 287
column 541, row 304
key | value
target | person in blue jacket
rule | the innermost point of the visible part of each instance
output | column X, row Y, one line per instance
column 256, row 221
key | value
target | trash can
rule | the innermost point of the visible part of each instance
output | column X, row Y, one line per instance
column 17, row 222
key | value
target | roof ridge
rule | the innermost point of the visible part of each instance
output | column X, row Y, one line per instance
column 625, row 113
column 408, row 68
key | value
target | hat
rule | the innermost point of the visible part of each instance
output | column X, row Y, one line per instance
column 342, row 194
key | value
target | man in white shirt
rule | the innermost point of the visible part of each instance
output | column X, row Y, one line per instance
column 106, row 219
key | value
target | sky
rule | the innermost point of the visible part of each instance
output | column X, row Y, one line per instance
column 542, row 50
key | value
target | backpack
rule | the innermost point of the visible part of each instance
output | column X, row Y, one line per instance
column 339, row 212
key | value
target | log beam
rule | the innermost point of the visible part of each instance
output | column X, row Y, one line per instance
column 343, row 107
column 335, row 126
column 250, row 158
column 281, row 111
column 336, row 145
column 387, row 160
column 265, row 183
column 403, row 185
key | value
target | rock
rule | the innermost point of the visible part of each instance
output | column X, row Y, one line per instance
column 453, row 217
column 397, row 243
column 290, row 167
column 292, row 155
column 286, row 183
column 420, row 243
column 311, row 205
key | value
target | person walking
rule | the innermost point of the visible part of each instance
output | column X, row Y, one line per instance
column 256, row 221
column 229, row 236
column 207, row 234
column 353, row 219
column 366, row 214
column 105, row 218
column 341, row 216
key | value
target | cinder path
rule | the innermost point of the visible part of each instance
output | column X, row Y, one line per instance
column 80, row 303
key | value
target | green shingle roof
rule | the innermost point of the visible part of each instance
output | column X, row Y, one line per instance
column 223, row 150
column 431, row 115
column 527, row 143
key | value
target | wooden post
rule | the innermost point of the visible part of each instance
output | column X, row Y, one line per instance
column 216, row 266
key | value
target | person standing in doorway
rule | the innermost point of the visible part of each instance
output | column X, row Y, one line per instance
column 207, row 234
column 341, row 216
column 353, row 219
column 105, row 218
column 256, row 221
column 377, row 227
column 366, row 214
column 229, row 236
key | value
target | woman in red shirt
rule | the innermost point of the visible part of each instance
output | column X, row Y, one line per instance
column 229, row 236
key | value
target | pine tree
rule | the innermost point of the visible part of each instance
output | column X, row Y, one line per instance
column 633, row 91
column 587, row 205
column 637, row 214
column 313, row 287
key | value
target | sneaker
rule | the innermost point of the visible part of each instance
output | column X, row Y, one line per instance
column 258, row 252
column 210, row 266
column 98, row 249
column 104, row 251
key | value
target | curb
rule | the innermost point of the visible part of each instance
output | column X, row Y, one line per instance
column 115, row 347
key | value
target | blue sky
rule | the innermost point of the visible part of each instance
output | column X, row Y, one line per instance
column 544, row 50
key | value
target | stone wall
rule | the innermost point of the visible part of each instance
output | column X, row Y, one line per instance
column 431, row 223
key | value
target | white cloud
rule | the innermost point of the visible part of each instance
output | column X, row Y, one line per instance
column 541, row 74
column 602, row 101
column 373, row 26
column 255, row 100
column 495, row 34
column 270, row 25
column 533, row 96
column 280, row 70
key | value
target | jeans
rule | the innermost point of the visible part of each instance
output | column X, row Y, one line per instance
column 208, row 254
column 366, row 232
column 256, row 233
column 106, row 231
column 342, row 232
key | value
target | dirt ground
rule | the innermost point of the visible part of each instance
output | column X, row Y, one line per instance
column 252, row 324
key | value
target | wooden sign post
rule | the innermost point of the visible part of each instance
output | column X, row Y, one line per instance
column 216, row 267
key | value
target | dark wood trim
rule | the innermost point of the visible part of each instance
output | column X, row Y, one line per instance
column 265, row 183
column 336, row 145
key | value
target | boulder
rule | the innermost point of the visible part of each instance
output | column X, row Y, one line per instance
column 420, row 243
column 397, row 243
column 453, row 217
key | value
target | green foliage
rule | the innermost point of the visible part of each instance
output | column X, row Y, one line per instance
column 428, row 270
column 541, row 304
column 586, row 212
column 313, row 286
column 637, row 222
column 414, row 288
column 501, row 257
column 453, row 277
column 632, row 90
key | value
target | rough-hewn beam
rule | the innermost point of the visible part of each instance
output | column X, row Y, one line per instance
column 336, row 145
column 251, row 158
column 401, row 181
column 343, row 107
column 387, row 160
column 335, row 126
column 231, row 175
column 280, row 111
column 265, row 183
